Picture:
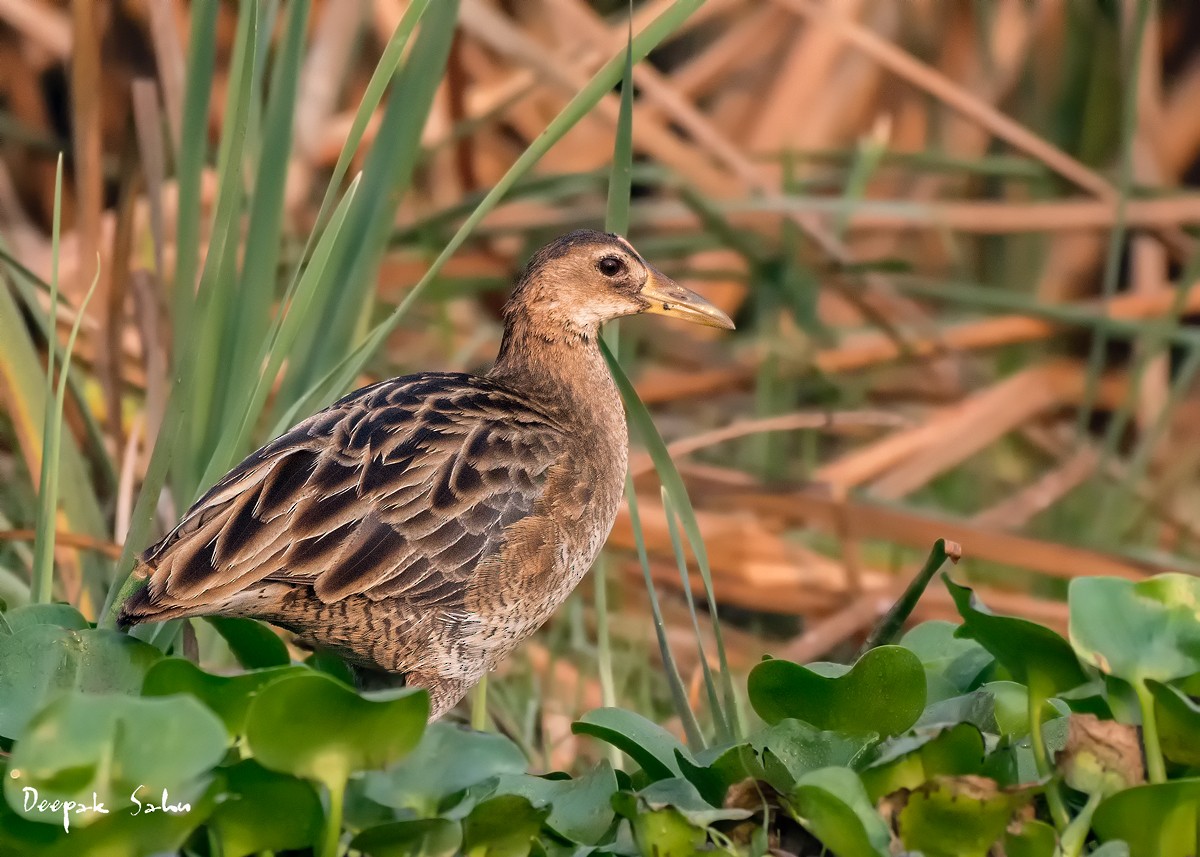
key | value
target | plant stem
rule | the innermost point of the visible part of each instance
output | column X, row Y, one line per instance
column 1075, row 835
column 333, row 821
column 1156, row 767
column 479, row 718
column 1058, row 808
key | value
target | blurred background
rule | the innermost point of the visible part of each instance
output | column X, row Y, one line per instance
column 959, row 240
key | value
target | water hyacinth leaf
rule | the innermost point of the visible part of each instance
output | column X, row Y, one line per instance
column 833, row 806
column 1178, row 718
column 264, row 811
column 228, row 697
column 801, row 748
column 69, row 749
column 660, row 833
column 644, row 741
column 908, row 761
column 448, row 760
column 1158, row 820
column 883, row 692
column 977, row 708
column 955, row 816
column 502, row 826
column 62, row 615
column 1148, row 629
column 1031, row 838
column 680, row 795
column 960, row 661
column 42, row 661
column 317, row 745
column 254, row 644
column 1032, row 653
column 580, row 809
column 428, row 837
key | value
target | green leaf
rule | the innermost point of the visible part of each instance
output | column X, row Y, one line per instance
column 910, row 760
column 883, row 692
column 265, row 811
column 1033, row 654
column 800, row 748
column 426, row 837
column 1178, row 718
column 503, row 826
column 956, row 816
column 1148, row 629
column 660, row 833
column 123, row 749
column 832, row 805
column 644, row 741
column 62, row 615
column 580, row 809
column 41, row 661
column 960, row 661
column 448, row 760
column 228, row 697
column 890, row 623
column 683, row 797
column 299, row 725
column 253, row 643
column 1031, row 839
column 1160, row 820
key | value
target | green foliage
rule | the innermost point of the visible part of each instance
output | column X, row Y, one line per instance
column 859, row 760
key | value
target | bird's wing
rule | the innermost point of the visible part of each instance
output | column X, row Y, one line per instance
column 399, row 489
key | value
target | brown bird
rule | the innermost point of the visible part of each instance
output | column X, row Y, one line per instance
column 426, row 525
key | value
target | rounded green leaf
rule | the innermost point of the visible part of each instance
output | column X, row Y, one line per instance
column 62, row 615
column 956, row 816
column 1178, row 723
column 502, row 826
column 228, row 696
column 448, row 760
column 959, row 661
column 427, row 837
column 798, row 748
column 907, row 761
column 253, row 643
column 644, row 741
column 1034, row 655
column 580, row 809
column 884, row 692
column 262, row 810
column 120, row 751
column 1161, row 820
column 41, row 661
column 1031, row 838
column 1148, row 629
column 313, row 726
column 833, row 806
column 682, row 796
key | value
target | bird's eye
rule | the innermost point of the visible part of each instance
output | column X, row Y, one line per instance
column 610, row 266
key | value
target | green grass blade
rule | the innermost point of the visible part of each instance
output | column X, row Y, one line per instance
column 387, row 174
column 691, row 728
column 190, row 160
column 43, row 548
column 217, row 293
column 316, row 280
column 888, row 628
column 620, row 181
column 672, row 483
column 256, row 290
column 724, row 734
column 342, row 375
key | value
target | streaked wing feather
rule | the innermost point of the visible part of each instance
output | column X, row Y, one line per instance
column 401, row 488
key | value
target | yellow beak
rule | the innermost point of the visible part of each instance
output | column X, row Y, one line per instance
column 667, row 297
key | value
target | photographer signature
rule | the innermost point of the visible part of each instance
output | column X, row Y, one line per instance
column 33, row 801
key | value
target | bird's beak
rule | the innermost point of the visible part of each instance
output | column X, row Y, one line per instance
column 667, row 297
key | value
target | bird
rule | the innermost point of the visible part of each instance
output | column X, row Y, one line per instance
column 423, row 526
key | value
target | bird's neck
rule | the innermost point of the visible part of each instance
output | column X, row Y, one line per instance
column 561, row 369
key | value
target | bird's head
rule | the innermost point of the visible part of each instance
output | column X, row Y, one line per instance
column 585, row 278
